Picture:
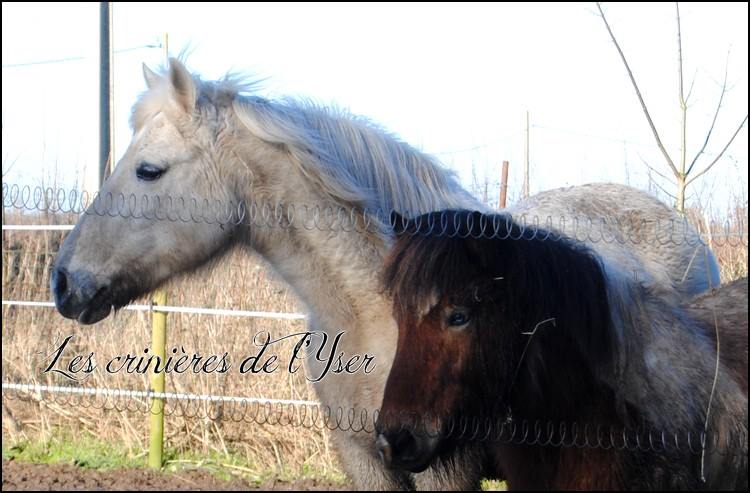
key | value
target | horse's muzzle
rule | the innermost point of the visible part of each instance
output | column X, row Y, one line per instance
column 404, row 449
column 78, row 295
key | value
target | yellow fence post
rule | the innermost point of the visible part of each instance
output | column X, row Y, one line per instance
column 159, row 348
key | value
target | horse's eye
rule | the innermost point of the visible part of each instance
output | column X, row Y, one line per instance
column 458, row 318
column 148, row 172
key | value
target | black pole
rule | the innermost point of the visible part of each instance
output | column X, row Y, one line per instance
column 104, row 100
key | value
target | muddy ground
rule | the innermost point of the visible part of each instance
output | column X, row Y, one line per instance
column 25, row 476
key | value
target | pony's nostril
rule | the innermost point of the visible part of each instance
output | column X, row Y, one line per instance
column 396, row 447
column 403, row 449
column 405, row 441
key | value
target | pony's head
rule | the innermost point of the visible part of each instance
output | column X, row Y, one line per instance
column 143, row 227
column 468, row 291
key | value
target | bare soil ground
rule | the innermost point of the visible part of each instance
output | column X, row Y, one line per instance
column 25, row 476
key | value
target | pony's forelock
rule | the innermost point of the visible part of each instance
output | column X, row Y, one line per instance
column 424, row 268
column 533, row 279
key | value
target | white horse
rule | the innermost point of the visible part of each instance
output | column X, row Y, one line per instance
column 206, row 140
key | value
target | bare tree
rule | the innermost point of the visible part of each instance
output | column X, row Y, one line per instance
column 683, row 172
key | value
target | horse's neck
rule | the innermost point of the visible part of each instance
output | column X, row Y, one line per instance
column 545, row 468
column 565, row 391
column 332, row 268
column 336, row 277
column 334, row 273
column 663, row 363
column 666, row 363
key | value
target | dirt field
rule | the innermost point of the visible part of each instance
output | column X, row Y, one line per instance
column 24, row 476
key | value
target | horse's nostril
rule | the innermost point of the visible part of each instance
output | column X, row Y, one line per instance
column 59, row 282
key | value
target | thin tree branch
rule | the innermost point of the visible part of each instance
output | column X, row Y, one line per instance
column 651, row 180
column 7, row 167
column 679, row 50
column 638, row 93
column 691, row 180
column 664, row 190
column 692, row 83
column 716, row 114
column 683, row 103
column 665, row 177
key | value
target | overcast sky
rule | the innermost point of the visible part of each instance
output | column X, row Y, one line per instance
column 454, row 80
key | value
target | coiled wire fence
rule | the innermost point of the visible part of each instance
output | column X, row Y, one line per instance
column 29, row 202
column 312, row 415
column 332, row 218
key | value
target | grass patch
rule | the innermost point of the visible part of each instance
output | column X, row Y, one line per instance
column 89, row 451
column 492, row 485
column 83, row 450
column 230, row 466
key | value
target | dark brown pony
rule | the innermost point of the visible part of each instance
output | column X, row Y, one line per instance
column 501, row 324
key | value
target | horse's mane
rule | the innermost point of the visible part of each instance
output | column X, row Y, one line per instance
column 350, row 159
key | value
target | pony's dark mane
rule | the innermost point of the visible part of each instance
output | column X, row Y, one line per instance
column 508, row 279
column 527, row 275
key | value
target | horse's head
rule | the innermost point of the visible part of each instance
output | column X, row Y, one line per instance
column 159, row 213
column 444, row 296
column 468, row 291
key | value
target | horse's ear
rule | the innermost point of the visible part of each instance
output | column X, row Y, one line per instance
column 399, row 223
column 183, row 85
column 151, row 77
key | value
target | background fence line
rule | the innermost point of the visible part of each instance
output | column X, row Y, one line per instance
column 98, row 391
column 38, row 227
column 180, row 309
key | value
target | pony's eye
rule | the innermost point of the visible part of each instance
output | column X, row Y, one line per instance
column 148, row 172
column 458, row 318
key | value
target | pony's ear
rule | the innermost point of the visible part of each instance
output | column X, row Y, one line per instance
column 479, row 224
column 399, row 223
column 476, row 224
column 183, row 85
column 151, row 77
